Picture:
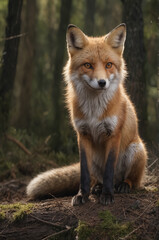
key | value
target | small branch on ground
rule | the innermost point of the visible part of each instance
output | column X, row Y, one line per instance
column 153, row 163
column 46, row 222
column 56, row 234
column 20, row 145
column 59, row 204
column 148, row 207
column 128, row 235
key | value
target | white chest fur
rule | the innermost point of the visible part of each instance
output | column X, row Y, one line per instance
column 96, row 128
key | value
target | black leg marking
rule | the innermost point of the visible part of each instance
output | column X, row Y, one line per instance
column 107, row 191
column 84, row 190
column 85, row 177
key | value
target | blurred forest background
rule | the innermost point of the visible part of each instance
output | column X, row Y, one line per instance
column 35, row 130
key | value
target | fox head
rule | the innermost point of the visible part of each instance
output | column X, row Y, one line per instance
column 96, row 62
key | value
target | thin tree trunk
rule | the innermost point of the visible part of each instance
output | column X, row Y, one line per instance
column 9, row 61
column 90, row 17
column 60, row 46
column 157, row 109
column 51, row 32
column 25, row 67
column 135, row 59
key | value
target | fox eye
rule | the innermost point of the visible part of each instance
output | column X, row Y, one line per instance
column 108, row 65
column 88, row 65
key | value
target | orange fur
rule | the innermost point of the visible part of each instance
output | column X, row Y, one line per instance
column 124, row 138
column 102, row 114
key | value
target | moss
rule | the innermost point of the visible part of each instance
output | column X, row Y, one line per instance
column 157, row 203
column 22, row 211
column 83, row 230
column 2, row 215
column 115, row 230
column 16, row 211
column 109, row 228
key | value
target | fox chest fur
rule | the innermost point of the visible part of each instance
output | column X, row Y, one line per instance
column 92, row 114
column 96, row 129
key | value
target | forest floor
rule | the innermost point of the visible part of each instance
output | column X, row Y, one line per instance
column 131, row 216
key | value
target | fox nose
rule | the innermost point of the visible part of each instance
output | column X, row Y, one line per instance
column 102, row 83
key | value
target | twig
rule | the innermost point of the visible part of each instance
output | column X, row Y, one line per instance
column 128, row 235
column 5, row 227
column 149, row 206
column 64, row 206
column 124, row 213
column 55, row 234
column 3, row 236
column 13, row 37
column 20, row 145
column 47, row 222
column 153, row 163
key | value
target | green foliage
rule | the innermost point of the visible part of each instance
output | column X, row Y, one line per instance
column 114, row 229
column 14, row 162
column 3, row 14
column 83, row 231
column 16, row 211
column 151, row 34
column 78, row 9
column 2, row 215
column 109, row 227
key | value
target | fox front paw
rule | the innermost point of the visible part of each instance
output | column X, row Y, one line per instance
column 106, row 198
column 123, row 187
column 79, row 199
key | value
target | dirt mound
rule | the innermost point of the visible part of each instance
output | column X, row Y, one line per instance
column 56, row 217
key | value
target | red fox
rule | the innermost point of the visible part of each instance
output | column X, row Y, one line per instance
column 110, row 149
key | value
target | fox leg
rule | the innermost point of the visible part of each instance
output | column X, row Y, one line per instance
column 135, row 163
column 107, row 195
column 84, row 190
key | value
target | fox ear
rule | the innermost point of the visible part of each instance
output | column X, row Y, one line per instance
column 75, row 38
column 116, row 38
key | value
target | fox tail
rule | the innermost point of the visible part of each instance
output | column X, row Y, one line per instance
column 56, row 182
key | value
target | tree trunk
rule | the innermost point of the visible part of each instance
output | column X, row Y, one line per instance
column 89, row 17
column 135, row 59
column 58, row 66
column 9, row 61
column 51, row 32
column 25, row 67
column 157, row 109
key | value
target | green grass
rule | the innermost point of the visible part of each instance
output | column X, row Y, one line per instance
column 15, row 163
column 84, row 231
column 115, row 230
column 109, row 228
